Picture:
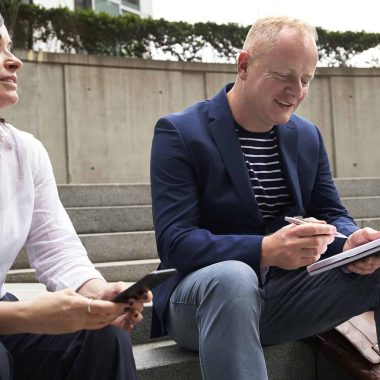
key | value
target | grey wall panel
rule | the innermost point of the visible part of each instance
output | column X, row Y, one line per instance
column 111, row 116
column 317, row 108
column 214, row 81
column 356, row 116
column 96, row 114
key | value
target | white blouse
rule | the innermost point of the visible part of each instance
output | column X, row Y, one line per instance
column 32, row 215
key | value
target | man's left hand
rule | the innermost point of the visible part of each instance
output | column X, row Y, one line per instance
column 368, row 264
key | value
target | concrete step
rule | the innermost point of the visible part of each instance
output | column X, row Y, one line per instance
column 165, row 360
column 117, row 194
column 139, row 218
column 123, row 207
column 369, row 222
column 296, row 360
column 135, row 245
column 128, row 271
column 358, row 187
column 26, row 291
column 363, row 207
column 88, row 220
column 86, row 195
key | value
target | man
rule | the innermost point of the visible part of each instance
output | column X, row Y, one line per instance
column 225, row 172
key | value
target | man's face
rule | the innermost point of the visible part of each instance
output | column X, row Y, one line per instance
column 278, row 81
column 9, row 64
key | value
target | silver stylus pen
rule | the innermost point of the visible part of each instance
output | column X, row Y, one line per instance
column 294, row 220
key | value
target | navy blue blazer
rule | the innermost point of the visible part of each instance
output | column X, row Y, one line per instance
column 204, row 208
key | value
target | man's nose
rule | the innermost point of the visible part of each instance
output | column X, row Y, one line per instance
column 296, row 88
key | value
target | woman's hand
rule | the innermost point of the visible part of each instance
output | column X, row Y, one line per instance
column 58, row 312
column 133, row 311
column 67, row 311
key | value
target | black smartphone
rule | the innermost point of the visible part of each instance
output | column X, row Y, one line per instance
column 146, row 283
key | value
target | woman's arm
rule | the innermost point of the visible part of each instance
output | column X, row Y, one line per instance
column 59, row 312
column 67, row 311
column 55, row 251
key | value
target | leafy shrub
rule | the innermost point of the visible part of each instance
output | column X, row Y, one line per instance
column 84, row 31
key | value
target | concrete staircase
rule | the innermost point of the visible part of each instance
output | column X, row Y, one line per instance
column 114, row 222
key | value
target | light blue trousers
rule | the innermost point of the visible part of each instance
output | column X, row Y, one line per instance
column 221, row 311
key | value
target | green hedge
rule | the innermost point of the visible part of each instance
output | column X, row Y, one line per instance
column 130, row 36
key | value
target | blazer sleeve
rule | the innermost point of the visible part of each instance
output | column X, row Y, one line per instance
column 181, row 242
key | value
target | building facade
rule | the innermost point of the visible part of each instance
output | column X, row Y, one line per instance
column 141, row 8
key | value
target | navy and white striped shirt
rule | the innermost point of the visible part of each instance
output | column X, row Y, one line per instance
column 262, row 158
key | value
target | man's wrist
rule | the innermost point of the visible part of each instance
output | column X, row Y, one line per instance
column 265, row 248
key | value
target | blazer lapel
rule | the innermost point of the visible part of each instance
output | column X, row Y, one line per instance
column 288, row 143
column 222, row 129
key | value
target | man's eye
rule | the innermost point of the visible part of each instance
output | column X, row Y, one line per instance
column 280, row 76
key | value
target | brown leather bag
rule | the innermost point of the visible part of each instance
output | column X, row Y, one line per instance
column 352, row 346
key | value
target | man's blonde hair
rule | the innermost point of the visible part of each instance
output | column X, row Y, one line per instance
column 264, row 32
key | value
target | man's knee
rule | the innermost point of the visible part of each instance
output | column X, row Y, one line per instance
column 233, row 279
column 233, row 292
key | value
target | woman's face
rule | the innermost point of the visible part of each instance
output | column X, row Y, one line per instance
column 9, row 64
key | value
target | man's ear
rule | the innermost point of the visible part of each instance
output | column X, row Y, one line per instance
column 243, row 63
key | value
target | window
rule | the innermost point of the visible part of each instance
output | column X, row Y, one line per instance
column 135, row 4
column 84, row 4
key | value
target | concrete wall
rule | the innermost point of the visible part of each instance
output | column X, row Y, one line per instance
column 96, row 115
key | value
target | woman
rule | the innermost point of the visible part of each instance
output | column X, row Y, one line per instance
column 72, row 332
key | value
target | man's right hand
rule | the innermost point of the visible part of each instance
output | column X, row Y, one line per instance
column 295, row 246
